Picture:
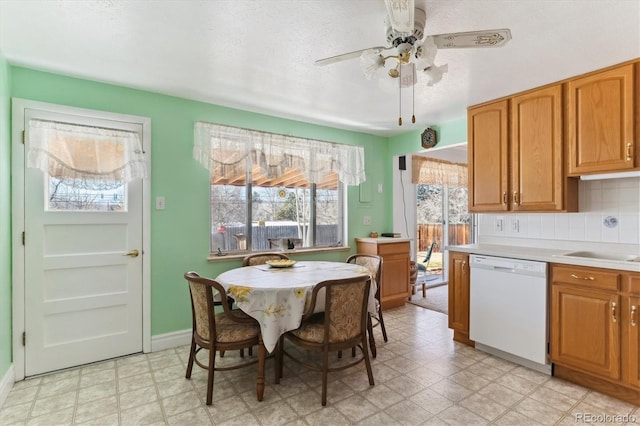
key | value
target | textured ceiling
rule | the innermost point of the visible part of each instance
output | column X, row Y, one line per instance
column 259, row 55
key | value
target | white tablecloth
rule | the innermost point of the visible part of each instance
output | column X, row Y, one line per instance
column 276, row 297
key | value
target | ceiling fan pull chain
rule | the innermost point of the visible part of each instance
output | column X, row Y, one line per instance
column 413, row 100
column 400, row 98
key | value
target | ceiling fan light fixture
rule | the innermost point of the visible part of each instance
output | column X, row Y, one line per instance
column 371, row 62
column 434, row 73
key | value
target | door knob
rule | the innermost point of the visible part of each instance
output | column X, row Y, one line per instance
column 132, row 253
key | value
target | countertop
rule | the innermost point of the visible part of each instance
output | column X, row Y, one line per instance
column 382, row 240
column 546, row 255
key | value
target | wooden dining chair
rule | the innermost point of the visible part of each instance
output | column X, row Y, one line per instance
column 261, row 258
column 227, row 330
column 374, row 264
column 342, row 325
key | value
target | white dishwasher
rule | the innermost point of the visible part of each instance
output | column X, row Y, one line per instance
column 508, row 309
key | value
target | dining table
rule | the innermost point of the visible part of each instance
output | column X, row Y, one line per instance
column 277, row 297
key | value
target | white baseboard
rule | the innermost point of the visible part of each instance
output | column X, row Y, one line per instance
column 6, row 384
column 160, row 342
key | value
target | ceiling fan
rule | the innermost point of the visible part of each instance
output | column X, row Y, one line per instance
column 413, row 53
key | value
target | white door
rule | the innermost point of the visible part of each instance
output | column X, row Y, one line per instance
column 82, row 279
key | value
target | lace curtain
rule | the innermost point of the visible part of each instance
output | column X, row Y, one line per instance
column 223, row 150
column 428, row 171
column 85, row 157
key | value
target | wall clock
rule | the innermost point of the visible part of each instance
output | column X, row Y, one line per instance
column 428, row 138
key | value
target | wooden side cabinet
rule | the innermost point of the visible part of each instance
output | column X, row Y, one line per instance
column 593, row 332
column 459, row 293
column 601, row 110
column 396, row 257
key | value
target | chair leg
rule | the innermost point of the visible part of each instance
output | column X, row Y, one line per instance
column 250, row 350
column 192, row 355
column 279, row 355
column 367, row 361
column 372, row 340
column 424, row 290
column 221, row 354
column 212, row 364
column 381, row 321
column 325, row 372
column 241, row 353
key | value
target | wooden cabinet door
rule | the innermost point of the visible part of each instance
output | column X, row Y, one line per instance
column 600, row 121
column 488, row 161
column 459, row 292
column 585, row 332
column 631, row 340
column 537, row 150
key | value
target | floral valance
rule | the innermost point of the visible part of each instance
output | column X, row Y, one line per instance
column 429, row 171
column 85, row 156
column 224, row 151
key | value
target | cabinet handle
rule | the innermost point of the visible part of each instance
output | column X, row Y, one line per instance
column 629, row 151
column 516, row 198
column 464, row 266
column 504, row 198
column 582, row 278
column 633, row 316
column 613, row 312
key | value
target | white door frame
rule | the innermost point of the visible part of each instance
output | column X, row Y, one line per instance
column 18, row 219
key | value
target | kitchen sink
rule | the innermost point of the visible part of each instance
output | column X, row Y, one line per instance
column 603, row 256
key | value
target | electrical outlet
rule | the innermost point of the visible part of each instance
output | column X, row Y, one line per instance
column 366, row 220
column 515, row 225
column 160, row 205
column 380, row 188
column 497, row 224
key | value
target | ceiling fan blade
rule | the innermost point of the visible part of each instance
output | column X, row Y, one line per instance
column 401, row 16
column 345, row 56
column 486, row 38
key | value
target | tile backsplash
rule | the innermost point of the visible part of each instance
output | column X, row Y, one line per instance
column 609, row 213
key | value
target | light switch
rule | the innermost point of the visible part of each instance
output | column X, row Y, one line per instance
column 498, row 224
column 380, row 188
column 367, row 220
column 160, row 203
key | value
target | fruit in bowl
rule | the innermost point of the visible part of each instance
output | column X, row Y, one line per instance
column 281, row 263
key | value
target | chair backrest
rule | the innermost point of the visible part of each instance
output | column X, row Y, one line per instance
column 261, row 258
column 373, row 263
column 203, row 291
column 427, row 257
column 345, row 311
column 202, row 305
column 241, row 241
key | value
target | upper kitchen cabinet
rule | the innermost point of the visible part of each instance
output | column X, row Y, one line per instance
column 516, row 155
column 488, row 157
column 601, row 114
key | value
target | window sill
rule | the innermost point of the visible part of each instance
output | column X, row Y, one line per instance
column 240, row 256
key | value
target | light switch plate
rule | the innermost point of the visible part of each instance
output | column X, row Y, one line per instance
column 366, row 220
column 160, row 205
column 498, row 224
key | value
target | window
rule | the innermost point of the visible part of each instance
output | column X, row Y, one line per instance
column 86, row 167
column 273, row 192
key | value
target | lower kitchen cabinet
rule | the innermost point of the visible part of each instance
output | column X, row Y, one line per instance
column 459, row 292
column 594, row 329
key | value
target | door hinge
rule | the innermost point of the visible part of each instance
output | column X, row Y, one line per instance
column 24, row 338
column 24, row 137
column 23, row 238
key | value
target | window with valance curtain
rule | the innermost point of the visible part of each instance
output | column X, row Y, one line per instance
column 86, row 167
column 270, row 191
column 223, row 150
column 85, row 156
column 429, row 171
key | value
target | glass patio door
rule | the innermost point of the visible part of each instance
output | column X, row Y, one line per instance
column 442, row 218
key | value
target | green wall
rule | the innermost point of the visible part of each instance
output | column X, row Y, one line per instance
column 5, row 218
column 179, row 234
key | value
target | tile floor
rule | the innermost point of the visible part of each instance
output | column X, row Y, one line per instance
column 422, row 378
